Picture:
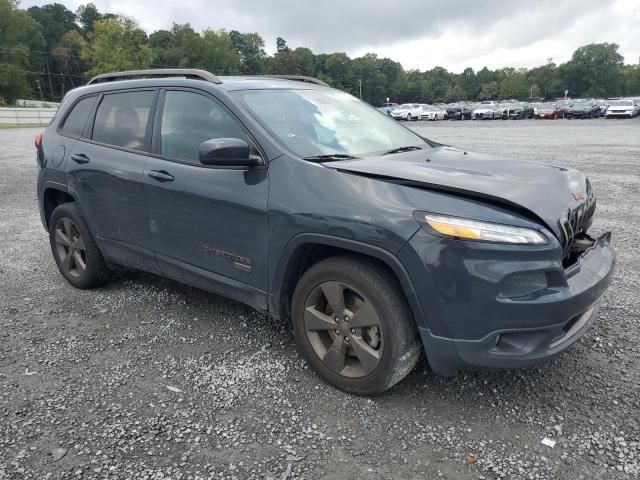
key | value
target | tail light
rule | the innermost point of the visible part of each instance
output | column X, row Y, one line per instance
column 38, row 141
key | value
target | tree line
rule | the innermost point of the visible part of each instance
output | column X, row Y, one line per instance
column 46, row 51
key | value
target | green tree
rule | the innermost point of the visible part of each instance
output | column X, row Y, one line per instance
column 514, row 84
column 66, row 58
column 21, row 42
column 218, row 55
column 56, row 20
column 250, row 48
column 117, row 44
column 594, row 70
column 631, row 75
column 300, row 61
column 489, row 91
column 86, row 16
column 438, row 81
column 468, row 80
column 281, row 45
column 337, row 69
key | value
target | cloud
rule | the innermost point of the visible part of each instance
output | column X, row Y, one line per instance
column 418, row 33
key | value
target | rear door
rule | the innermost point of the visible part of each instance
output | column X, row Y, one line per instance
column 210, row 225
column 106, row 170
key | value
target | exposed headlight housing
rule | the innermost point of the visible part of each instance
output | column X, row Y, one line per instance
column 467, row 229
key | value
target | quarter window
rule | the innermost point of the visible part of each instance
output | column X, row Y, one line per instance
column 77, row 118
column 188, row 119
column 121, row 119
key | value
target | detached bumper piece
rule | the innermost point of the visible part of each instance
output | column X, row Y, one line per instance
column 508, row 349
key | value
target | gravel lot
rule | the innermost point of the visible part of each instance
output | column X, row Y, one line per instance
column 147, row 378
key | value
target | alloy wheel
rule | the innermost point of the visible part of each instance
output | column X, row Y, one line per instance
column 343, row 329
column 70, row 247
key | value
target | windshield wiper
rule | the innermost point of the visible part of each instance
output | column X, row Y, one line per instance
column 408, row 148
column 329, row 157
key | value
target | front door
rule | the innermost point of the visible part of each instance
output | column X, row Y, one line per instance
column 209, row 225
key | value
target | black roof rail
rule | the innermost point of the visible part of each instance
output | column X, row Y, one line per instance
column 155, row 73
column 299, row 78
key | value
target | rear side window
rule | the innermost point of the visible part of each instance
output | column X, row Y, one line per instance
column 76, row 120
column 121, row 119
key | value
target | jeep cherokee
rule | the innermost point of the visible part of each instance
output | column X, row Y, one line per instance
column 307, row 204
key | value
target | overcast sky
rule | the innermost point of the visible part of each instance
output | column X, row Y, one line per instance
column 418, row 33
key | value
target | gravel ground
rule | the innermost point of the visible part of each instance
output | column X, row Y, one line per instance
column 147, row 378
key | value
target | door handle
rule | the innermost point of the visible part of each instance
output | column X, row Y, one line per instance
column 80, row 158
column 161, row 175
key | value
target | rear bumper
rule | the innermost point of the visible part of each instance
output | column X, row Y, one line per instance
column 472, row 327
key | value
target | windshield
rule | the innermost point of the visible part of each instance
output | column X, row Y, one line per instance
column 548, row 106
column 621, row 103
column 324, row 122
column 404, row 106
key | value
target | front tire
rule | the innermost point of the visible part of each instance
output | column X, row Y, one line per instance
column 75, row 251
column 353, row 326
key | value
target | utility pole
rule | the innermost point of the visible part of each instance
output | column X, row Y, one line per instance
column 40, row 89
column 360, row 87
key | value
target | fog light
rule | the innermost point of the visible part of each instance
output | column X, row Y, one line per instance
column 522, row 284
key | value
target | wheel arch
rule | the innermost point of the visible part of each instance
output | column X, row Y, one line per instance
column 306, row 250
column 52, row 196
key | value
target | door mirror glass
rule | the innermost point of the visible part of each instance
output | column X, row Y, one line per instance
column 228, row 152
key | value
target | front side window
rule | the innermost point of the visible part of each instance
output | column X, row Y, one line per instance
column 74, row 123
column 121, row 119
column 325, row 122
column 189, row 119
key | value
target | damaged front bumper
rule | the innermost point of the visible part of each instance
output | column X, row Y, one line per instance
column 482, row 330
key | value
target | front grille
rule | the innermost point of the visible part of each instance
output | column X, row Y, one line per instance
column 576, row 222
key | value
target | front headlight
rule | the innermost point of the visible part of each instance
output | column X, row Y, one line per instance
column 466, row 229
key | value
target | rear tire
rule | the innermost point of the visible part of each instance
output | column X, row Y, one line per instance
column 75, row 251
column 353, row 325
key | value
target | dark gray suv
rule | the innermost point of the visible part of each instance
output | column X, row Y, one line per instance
column 307, row 204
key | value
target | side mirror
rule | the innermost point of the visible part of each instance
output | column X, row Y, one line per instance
column 227, row 152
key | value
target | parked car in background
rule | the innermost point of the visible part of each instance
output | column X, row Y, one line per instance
column 548, row 110
column 603, row 105
column 582, row 109
column 486, row 111
column 520, row 111
column 430, row 112
column 535, row 106
column 563, row 104
column 459, row 111
column 407, row 111
column 625, row 108
column 388, row 108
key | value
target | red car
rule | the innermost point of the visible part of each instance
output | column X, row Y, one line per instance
column 548, row 110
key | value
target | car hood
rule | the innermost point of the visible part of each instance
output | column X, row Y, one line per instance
column 545, row 192
column 620, row 108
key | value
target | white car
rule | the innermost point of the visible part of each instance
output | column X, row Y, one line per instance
column 407, row 111
column 622, row 109
column 432, row 113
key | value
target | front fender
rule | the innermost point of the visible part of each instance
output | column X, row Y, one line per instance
column 289, row 257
